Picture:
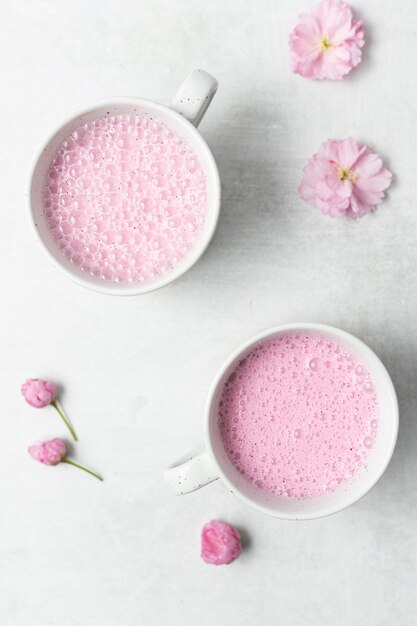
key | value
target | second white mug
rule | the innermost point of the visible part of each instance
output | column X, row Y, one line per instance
column 197, row 470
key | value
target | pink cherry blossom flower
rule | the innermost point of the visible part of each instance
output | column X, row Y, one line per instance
column 327, row 42
column 220, row 543
column 53, row 452
column 344, row 179
column 40, row 393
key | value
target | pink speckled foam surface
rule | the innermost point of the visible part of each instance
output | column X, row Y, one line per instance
column 298, row 415
column 125, row 198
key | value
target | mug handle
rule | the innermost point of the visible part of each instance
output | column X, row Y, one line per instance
column 194, row 96
column 190, row 473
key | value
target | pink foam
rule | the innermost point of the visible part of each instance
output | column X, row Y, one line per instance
column 125, row 198
column 298, row 416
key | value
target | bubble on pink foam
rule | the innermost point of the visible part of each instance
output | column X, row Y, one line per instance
column 108, row 237
column 77, row 245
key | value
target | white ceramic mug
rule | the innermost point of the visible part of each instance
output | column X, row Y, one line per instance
column 196, row 470
column 183, row 116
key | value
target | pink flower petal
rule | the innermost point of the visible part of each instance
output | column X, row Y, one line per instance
column 302, row 42
column 309, row 24
column 377, row 183
column 368, row 165
column 344, row 189
column 359, row 206
column 36, row 451
column 340, row 27
column 348, row 153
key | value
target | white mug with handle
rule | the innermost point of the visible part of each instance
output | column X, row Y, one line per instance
column 197, row 470
column 183, row 116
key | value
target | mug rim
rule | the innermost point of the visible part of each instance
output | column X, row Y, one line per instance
column 300, row 326
column 200, row 246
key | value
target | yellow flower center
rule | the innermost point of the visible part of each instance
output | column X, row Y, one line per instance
column 325, row 44
column 345, row 174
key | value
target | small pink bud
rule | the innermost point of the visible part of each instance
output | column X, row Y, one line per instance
column 49, row 453
column 53, row 452
column 220, row 543
column 38, row 393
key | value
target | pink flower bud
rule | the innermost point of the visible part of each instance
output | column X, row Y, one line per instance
column 220, row 543
column 38, row 393
column 53, row 452
column 49, row 453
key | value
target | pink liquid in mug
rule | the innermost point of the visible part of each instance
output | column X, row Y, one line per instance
column 298, row 416
column 125, row 198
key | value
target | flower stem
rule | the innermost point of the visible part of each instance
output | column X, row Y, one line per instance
column 65, row 460
column 66, row 422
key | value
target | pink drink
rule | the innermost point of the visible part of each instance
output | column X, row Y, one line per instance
column 125, row 198
column 298, row 415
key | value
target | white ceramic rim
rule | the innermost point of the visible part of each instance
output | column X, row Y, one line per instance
column 200, row 247
column 350, row 339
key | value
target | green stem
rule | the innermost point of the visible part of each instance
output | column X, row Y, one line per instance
column 66, row 422
column 65, row 460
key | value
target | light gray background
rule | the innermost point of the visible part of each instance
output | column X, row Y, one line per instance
column 136, row 371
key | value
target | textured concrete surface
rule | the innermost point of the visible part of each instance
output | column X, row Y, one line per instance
column 136, row 371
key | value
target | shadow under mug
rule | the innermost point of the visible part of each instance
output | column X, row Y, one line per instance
column 197, row 470
column 183, row 116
